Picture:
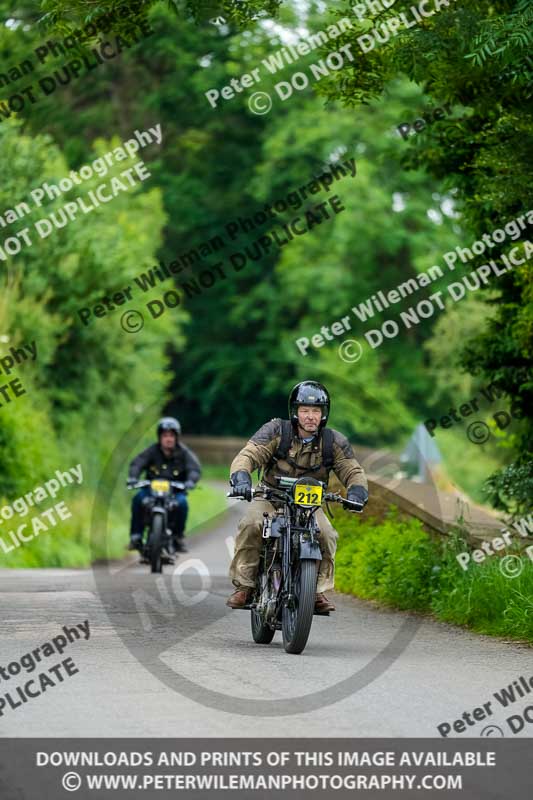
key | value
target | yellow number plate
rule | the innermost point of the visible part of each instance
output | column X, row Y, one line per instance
column 160, row 486
column 308, row 495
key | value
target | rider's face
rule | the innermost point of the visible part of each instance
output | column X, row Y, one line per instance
column 167, row 441
column 309, row 418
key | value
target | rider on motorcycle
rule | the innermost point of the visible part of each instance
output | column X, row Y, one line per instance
column 169, row 459
column 299, row 447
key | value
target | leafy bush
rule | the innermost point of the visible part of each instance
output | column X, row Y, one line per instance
column 29, row 454
column 397, row 563
column 87, row 382
column 511, row 488
column 392, row 562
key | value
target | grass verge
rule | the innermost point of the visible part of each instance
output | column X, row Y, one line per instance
column 68, row 543
column 397, row 563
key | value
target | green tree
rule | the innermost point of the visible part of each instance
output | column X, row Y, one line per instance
column 86, row 379
column 475, row 55
column 217, row 165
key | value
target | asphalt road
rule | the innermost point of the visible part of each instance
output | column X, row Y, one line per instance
column 166, row 657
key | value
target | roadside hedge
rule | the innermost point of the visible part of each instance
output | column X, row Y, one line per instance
column 397, row 563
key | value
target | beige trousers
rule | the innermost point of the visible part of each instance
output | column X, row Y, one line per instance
column 249, row 542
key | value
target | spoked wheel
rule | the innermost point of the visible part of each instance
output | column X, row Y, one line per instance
column 156, row 543
column 296, row 621
column 261, row 631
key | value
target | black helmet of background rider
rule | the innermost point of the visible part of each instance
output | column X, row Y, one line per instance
column 309, row 393
column 168, row 424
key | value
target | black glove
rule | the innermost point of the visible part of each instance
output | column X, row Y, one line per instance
column 241, row 483
column 357, row 494
column 190, row 484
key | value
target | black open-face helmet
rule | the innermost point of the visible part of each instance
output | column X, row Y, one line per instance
column 168, row 424
column 309, row 393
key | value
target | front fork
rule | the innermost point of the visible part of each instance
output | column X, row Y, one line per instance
column 298, row 544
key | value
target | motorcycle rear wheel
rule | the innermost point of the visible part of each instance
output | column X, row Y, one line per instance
column 296, row 623
column 156, row 543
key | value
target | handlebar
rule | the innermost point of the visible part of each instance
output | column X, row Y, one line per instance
column 135, row 484
column 240, row 496
column 270, row 493
column 348, row 505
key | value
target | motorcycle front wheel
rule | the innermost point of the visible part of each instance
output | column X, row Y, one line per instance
column 262, row 633
column 296, row 621
column 156, row 543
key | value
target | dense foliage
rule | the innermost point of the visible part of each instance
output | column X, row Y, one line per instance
column 225, row 359
column 397, row 563
column 477, row 55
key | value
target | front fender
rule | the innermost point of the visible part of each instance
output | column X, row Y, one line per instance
column 310, row 550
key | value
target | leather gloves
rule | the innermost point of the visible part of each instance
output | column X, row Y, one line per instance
column 357, row 494
column 241, row 483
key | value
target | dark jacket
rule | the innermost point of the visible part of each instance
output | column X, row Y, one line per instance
column 183, row 465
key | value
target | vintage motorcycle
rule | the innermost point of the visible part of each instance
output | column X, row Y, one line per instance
column 284, row 596
column 157, row 506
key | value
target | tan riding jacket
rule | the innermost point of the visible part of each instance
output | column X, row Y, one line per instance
column 264, row 443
